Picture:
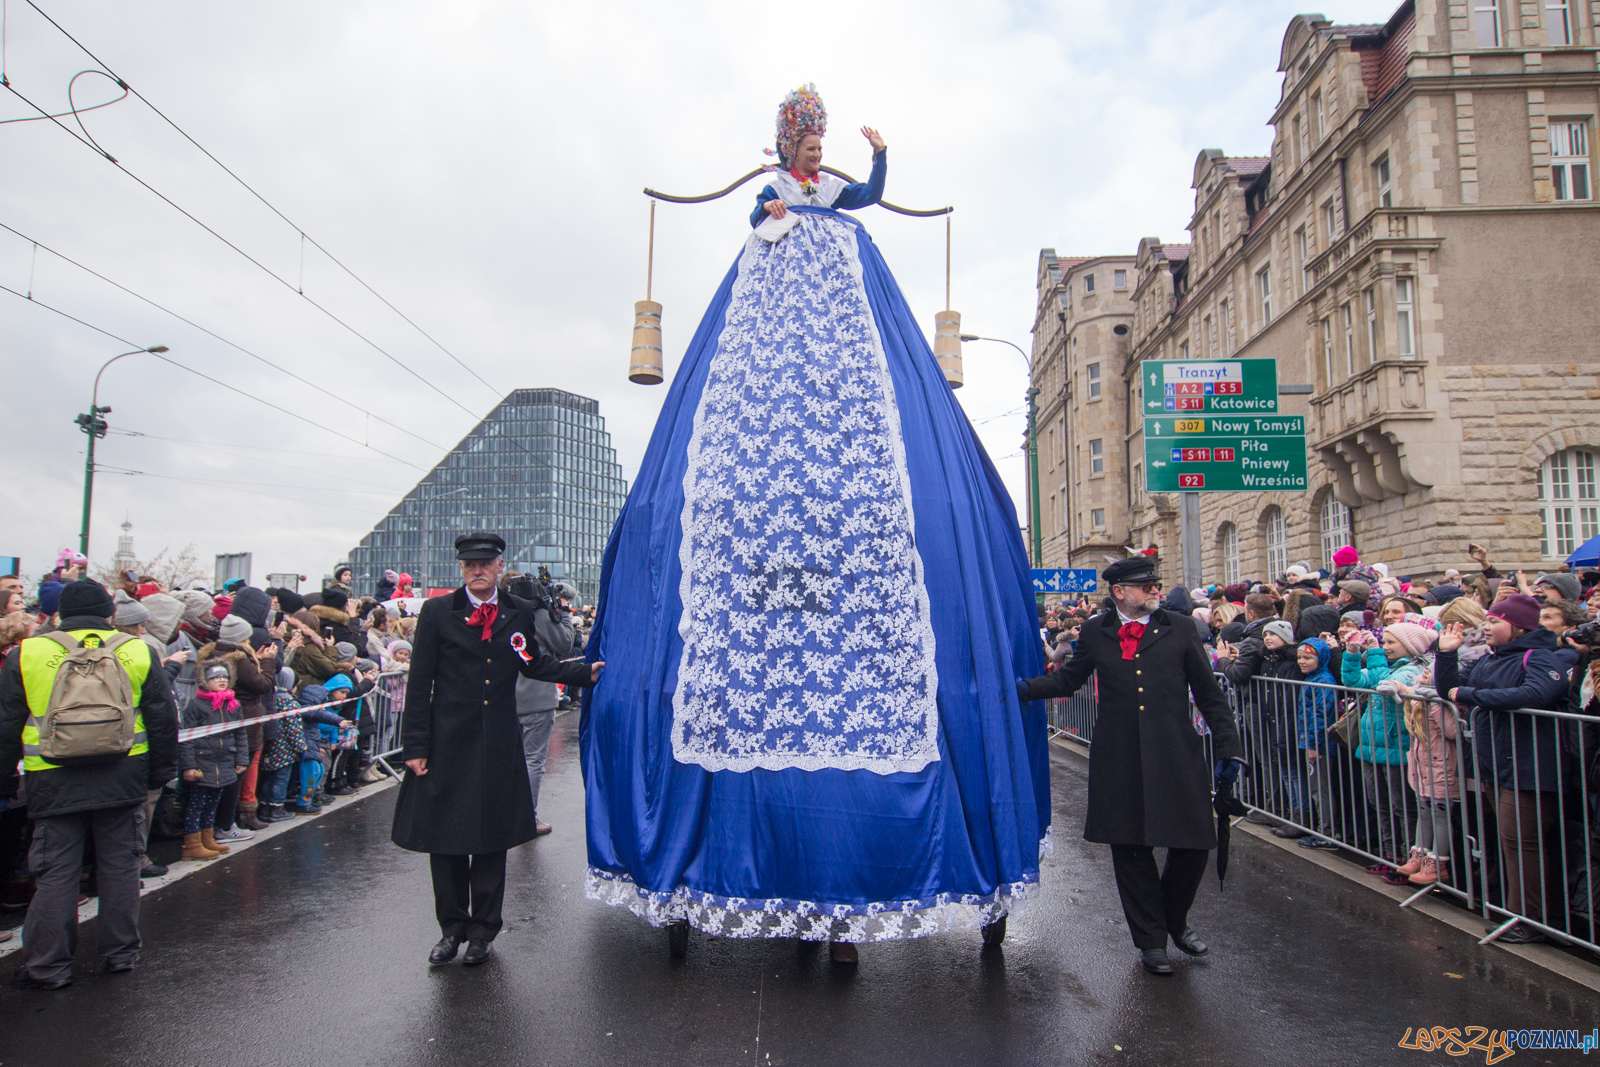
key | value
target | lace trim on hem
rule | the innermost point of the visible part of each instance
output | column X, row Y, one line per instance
column 743, row 917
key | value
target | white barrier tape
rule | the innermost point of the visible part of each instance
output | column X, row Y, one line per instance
column 194, row 732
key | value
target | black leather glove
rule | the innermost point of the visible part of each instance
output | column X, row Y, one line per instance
column 1023, row 689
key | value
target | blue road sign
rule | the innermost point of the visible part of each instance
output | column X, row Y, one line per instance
column 1063, row 580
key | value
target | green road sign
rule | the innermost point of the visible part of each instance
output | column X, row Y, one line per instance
column 1219, row 386
column 1214, row 425
column 1205, row 463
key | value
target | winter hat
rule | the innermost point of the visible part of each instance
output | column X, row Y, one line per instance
column 216, row 671
column 165, row 613
column 1413, row 638
column 50, row 597
column 391, row 577
column 251, row 604
column 338, row 681
column 1566, row 584
column 284, row 678
column 313, row 694
column 1346, row 556
column 1357, row 616
column 345, row 651
column 1284, row 631
column 234, row 630
column 196, row 606
column 396, row 646
column 1203, row 614
column 1519, row 609
column 1443, row 594
column 86, row 597
column 1358, row 589
column 364, row 664
column 306, row 617
column 222, row 607
column 1421, row 620
column 233, row 584
column 129, row 611
column 335, row 598
column 1298, row 573
column 290, row 601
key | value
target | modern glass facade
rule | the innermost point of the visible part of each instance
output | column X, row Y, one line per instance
column 539, row 471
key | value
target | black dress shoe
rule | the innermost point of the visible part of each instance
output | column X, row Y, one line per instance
column 1190, row 944
column 118, row 966
column 477, row 951
column 23, row 980
column 1156, row 962
column 444, row 951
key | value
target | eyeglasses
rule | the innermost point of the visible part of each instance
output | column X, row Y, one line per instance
column 1148, row 587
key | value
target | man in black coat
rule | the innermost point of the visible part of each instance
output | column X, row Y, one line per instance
column 1149, row 785
column 465, row 800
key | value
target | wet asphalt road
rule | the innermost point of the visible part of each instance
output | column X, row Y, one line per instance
column 310, row 949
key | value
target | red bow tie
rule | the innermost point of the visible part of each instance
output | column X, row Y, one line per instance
column 1128, row 637
column 484, row 615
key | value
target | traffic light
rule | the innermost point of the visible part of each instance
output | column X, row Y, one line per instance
column 92, row 423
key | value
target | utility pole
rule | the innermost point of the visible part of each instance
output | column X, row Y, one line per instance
column 95, row 427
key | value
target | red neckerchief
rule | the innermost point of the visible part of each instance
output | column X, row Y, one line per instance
column 815, row 179
column 484, row 615
column 1128, row 636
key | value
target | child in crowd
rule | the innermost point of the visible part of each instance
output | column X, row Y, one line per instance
column 1317, row 709
column 312, row 765
column 283, row 742
column 1431, row 773
column 210, row 764
column 398, row 657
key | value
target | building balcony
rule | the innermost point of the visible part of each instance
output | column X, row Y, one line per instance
column 1388, row 227
column 1374, row 432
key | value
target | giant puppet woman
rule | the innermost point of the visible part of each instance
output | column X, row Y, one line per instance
column 813, row 607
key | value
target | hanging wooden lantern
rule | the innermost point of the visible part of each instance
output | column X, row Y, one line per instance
column 947, row 327
column 947, row 346
column 647, row 365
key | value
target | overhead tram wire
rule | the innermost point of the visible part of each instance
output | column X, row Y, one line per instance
column 230, row 444
column 268, row 204
column 231, row 344
column 222, row 450
column 247, row 256
column 492, row 427
column 214, row 381
column 235, row 481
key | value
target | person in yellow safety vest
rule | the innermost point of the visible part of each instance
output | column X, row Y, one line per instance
column 69, row 803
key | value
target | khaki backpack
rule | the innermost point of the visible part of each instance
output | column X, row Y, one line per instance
column 90, row 717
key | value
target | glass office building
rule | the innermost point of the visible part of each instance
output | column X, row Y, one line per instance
column 539, row 471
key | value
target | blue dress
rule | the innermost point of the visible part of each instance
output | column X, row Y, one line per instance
column 813, row 608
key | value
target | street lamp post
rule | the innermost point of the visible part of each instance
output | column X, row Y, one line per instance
column 95, row 427
column 1032, row 448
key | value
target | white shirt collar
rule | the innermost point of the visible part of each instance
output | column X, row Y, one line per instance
column 494, row 597
column 1143, row 619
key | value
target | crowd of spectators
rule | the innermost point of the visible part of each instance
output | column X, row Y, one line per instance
column 237, row 653
column 1374, row 705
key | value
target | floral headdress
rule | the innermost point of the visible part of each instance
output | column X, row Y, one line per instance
column 801, row 113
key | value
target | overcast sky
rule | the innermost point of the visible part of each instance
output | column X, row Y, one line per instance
column 480, row 165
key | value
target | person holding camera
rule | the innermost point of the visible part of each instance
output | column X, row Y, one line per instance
column 557, row 632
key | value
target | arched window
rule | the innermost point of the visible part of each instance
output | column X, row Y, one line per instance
column 1277, row 542
column 1336, row 528
column 1568, row 506
column 1230, row 553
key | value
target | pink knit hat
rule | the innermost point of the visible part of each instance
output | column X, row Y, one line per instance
column 1346, row 556
column 1413, row 638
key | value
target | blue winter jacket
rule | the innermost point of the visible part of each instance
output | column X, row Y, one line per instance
column 1318, row 707
column 1517, row 751
column 1384, row 738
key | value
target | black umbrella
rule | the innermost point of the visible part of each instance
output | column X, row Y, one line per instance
column 1227, row 807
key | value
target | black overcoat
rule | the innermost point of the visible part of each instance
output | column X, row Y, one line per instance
column 1149, row 783
column 461, row 716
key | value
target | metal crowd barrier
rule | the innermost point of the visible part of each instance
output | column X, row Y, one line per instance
column 385, row 702
column 1510, row 799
